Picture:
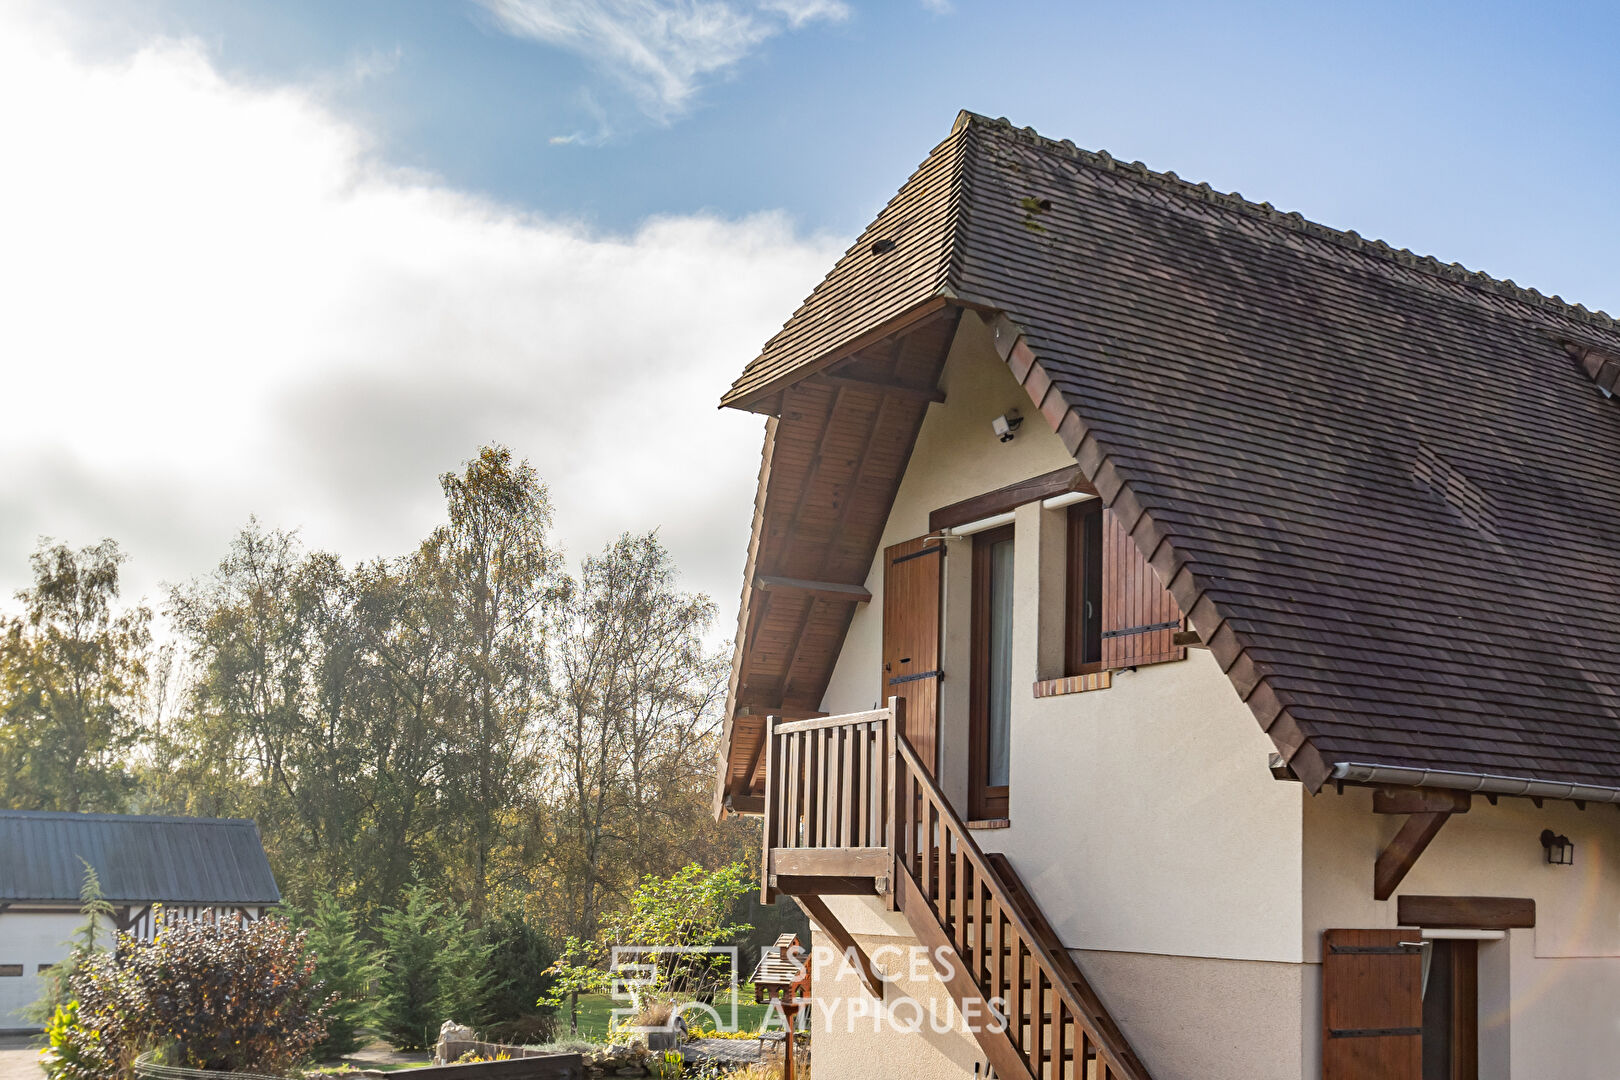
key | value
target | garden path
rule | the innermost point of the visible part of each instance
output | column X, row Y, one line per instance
column 19, row 1059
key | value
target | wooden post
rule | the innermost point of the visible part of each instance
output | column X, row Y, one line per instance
column 767, row 895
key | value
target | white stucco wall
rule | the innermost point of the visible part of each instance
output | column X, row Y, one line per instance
column 30, row 938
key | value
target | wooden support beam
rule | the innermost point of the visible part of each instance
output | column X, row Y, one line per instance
column 1403, row 851
column 886, row 386
column 821, row 885
column 1420, row 801
column 753, row 805
column 826, row 590
column 844, row 941
column 1466, row 912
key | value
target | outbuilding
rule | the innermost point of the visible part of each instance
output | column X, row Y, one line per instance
column 152, row 870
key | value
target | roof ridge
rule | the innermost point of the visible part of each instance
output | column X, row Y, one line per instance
column 1293, row 219
column 77, row 815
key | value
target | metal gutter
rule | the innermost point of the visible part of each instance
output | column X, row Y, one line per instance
column 1483, row 783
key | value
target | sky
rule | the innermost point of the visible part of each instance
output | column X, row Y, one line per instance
column 295, row 258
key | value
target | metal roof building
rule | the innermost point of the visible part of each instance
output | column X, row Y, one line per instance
column 140, row 860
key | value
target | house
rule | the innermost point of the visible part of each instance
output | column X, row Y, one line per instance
column 152, row 870
column 1196, row 628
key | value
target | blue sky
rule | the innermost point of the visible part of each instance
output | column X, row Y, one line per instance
column 1477, row 129
column 336, row 245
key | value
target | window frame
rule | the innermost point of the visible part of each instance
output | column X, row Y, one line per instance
column 984, row 802
column 1083, row 581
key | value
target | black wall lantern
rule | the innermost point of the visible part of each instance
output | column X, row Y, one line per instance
column 1560, row 852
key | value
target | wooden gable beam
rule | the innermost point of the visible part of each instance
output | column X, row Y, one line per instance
column 825, row 590
column 1427, row 812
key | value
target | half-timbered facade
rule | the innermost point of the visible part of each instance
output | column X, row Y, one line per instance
column 1193, row 625
column 150, row 870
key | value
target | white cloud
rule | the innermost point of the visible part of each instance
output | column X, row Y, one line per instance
column 661, row 49
column 218, row 302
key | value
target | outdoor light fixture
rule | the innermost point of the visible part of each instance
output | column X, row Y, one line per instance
column 1560, row 852
column 1005, row 425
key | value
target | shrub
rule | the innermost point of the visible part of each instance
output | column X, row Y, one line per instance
column 227, row 995
column 519, row 955
column 347, row 968
column 433, row 970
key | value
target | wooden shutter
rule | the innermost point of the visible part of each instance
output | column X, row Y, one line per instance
column 1140, row 617
column 912, row 573
column 1372, row 1005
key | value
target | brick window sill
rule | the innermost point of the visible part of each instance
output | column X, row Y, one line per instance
column 1074, row 684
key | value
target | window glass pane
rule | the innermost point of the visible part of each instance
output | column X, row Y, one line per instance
column 1000, row 667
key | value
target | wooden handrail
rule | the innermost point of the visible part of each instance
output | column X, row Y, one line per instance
column 935, row 870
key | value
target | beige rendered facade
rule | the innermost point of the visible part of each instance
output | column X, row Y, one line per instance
column 1191, row 886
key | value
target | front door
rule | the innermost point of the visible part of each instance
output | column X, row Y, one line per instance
column 911, row 592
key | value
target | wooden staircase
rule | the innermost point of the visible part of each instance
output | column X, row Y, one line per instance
column 851, row 808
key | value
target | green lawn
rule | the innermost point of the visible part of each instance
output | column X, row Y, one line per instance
column 596, row 1012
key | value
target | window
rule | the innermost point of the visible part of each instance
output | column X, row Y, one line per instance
column 1083, row 624
column 992, row 673
column 11, row 971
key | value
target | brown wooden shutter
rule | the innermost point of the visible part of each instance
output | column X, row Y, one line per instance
column 1140, row 617
column 1372, row 1005
column 912, row 573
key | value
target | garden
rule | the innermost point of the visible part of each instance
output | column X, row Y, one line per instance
column 311, row 994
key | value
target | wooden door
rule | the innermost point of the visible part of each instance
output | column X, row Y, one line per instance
column 912, row 574
column 1372, row 1005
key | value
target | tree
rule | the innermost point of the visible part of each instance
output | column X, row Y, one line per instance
column 634, row 713
column 666, row 919
column 519, row 956
column 433, row 969
column 497, row 563
column 72, row 676
column 347, row 968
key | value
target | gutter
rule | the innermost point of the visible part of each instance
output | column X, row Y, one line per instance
column 1483, row 783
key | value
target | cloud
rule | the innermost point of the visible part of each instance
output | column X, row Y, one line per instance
column 939, row 7
column 662, row 50
column 220, row 302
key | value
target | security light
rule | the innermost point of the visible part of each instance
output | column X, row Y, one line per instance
column 1005, row 425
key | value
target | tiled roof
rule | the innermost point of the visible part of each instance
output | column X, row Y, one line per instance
column 1385, row 488
column 173, row 860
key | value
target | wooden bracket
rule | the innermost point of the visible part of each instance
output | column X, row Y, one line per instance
column 844, row 941
column 1403, row 851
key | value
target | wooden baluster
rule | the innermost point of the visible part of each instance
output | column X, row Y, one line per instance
column 963, row 897
column 843, row 829
column 794, row 740
column 1037, row 1019
column 992, row 941
column 1060, row 1019
column 832, row 769
column 1015, row 990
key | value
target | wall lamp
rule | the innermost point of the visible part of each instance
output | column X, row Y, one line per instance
column 1560, row 851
